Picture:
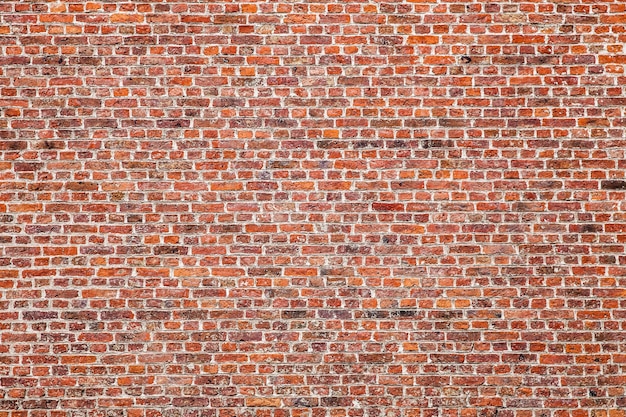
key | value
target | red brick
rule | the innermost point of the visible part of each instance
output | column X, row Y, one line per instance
column 294, row 209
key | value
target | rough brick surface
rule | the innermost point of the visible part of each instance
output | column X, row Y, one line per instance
column 363, row 208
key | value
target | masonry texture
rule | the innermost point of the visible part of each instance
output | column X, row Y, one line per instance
column 375, row 208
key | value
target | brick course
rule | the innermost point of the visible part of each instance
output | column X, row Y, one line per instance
column 363, row 208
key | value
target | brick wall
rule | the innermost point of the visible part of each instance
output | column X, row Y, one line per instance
column 363, row 208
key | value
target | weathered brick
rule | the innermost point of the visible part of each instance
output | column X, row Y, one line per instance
column 279, row 208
